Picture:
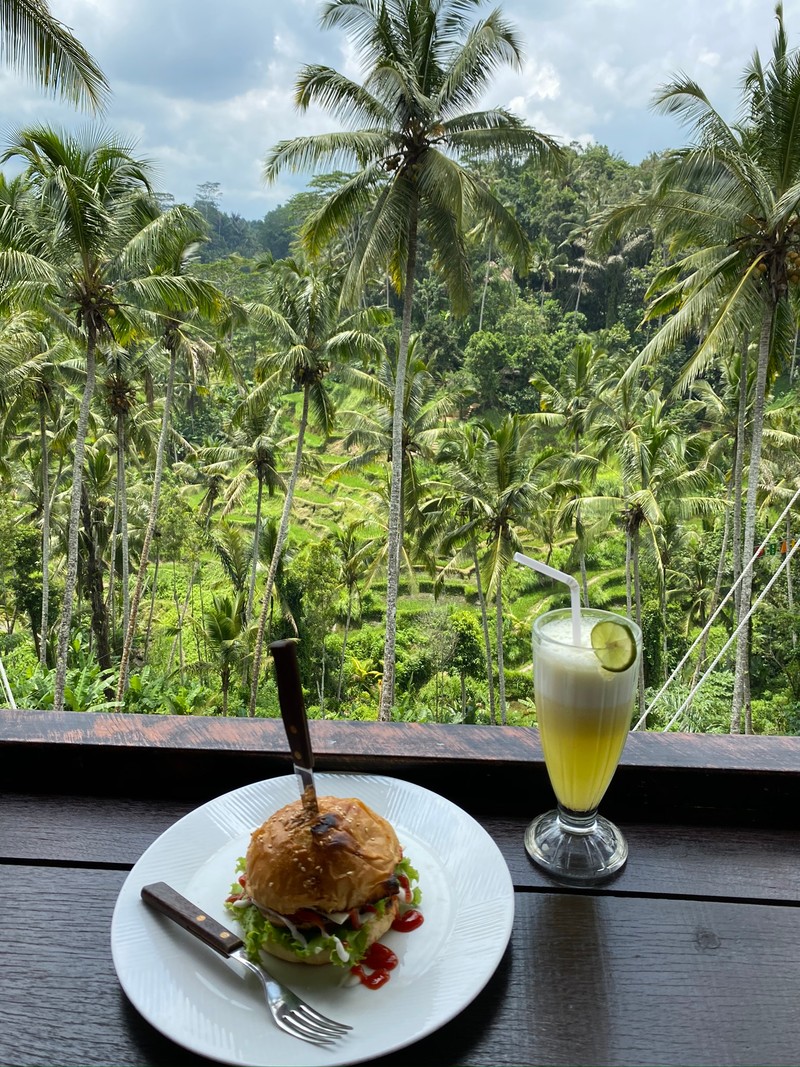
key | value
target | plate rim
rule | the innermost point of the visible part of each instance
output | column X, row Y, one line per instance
column 134, row 880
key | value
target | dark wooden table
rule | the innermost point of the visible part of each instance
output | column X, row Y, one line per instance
column 691, row 956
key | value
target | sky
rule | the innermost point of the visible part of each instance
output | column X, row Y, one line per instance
column 204, row 88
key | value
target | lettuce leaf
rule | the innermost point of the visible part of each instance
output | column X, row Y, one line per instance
column 259, row 931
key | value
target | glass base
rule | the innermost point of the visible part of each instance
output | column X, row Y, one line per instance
column 576, row 848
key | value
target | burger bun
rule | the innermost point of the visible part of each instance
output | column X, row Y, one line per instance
column 341, row 858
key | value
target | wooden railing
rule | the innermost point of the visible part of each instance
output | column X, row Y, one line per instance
column 662, row 777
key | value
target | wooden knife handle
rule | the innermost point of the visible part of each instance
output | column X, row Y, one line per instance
column 290, row 697
column 165, row 899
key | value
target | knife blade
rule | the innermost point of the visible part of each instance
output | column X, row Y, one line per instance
column 295, row 721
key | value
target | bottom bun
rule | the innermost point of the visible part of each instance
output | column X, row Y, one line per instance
column 376, row 927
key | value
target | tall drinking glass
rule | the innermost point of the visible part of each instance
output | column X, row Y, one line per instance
column 584, row 712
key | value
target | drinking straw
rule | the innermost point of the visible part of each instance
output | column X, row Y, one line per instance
column 567, row 579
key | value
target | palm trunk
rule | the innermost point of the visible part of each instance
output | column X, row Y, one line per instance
column 123, row 524
column 280, row 541
column 396, row 488
column 748, row 704
column 637, row 587
column 144, row 558
column 187, row 600
column 738, row 470
column 71, row 576
column 738, row 493
column 701, row 654
column 94, row 584
column 741, row 683
column 580, row 285
column 251, row 593
column 45, row 461
column 501, row 673
column 153, row 593
column 581, row 554
column 789, row 586
column 176, row 602
column 344, row 644
column 112, row 558
column 487, row 644
column 485, row 286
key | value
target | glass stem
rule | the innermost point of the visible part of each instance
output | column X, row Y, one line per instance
column 577, row 822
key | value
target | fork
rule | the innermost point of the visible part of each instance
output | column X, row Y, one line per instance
column 289, row 1011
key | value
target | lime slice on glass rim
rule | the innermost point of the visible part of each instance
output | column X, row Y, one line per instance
column 614, row 645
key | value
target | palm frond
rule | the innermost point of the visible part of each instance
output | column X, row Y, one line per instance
column 47, row 53
column 341, row 150
column 490, row 44
column 349, row 101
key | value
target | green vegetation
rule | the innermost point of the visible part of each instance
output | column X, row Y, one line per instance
column 341, row 422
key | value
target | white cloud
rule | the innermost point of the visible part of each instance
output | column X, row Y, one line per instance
column 709, row 59
column 542, row 82
column 207, row 88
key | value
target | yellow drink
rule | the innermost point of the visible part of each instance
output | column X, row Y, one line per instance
column 581, row 749
column 583, row 710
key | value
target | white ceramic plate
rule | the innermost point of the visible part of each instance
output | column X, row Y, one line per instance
column 201, row 1001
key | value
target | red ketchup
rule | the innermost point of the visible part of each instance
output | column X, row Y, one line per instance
column 381, row 960
column 408, row 921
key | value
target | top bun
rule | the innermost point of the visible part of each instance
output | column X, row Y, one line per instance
column 342, row 858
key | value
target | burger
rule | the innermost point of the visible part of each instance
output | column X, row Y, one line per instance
column 321, row 888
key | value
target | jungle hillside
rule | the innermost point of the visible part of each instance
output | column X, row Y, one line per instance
column 339, row 423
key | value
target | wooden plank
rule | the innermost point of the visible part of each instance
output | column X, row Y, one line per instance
column 587, row 979
column 662, row 778
column 633, row 981
column 708, row 862
column 422, row 742
column 82, row 830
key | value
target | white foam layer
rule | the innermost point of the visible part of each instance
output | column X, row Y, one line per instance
column 572, row 675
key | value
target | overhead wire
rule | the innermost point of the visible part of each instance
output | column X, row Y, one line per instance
column 719, row 608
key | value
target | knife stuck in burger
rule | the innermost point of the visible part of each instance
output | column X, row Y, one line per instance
column 324, row 878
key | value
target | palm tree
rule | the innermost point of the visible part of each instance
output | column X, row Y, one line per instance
column 664, row 480
column 32, row 386
column 426, row 408
column 254, row 446
column 463, row 511
column 89, row 194
column 352, row 554
column 425, row 61
column 546, row 262
column 308, row 339
column 124, row 370
column 36, row 43
column 224, row 628
column 569, row 403
column 90, row 248
column 186, row 308
column 98, row 477
column 503, row 480
column 729, row 206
